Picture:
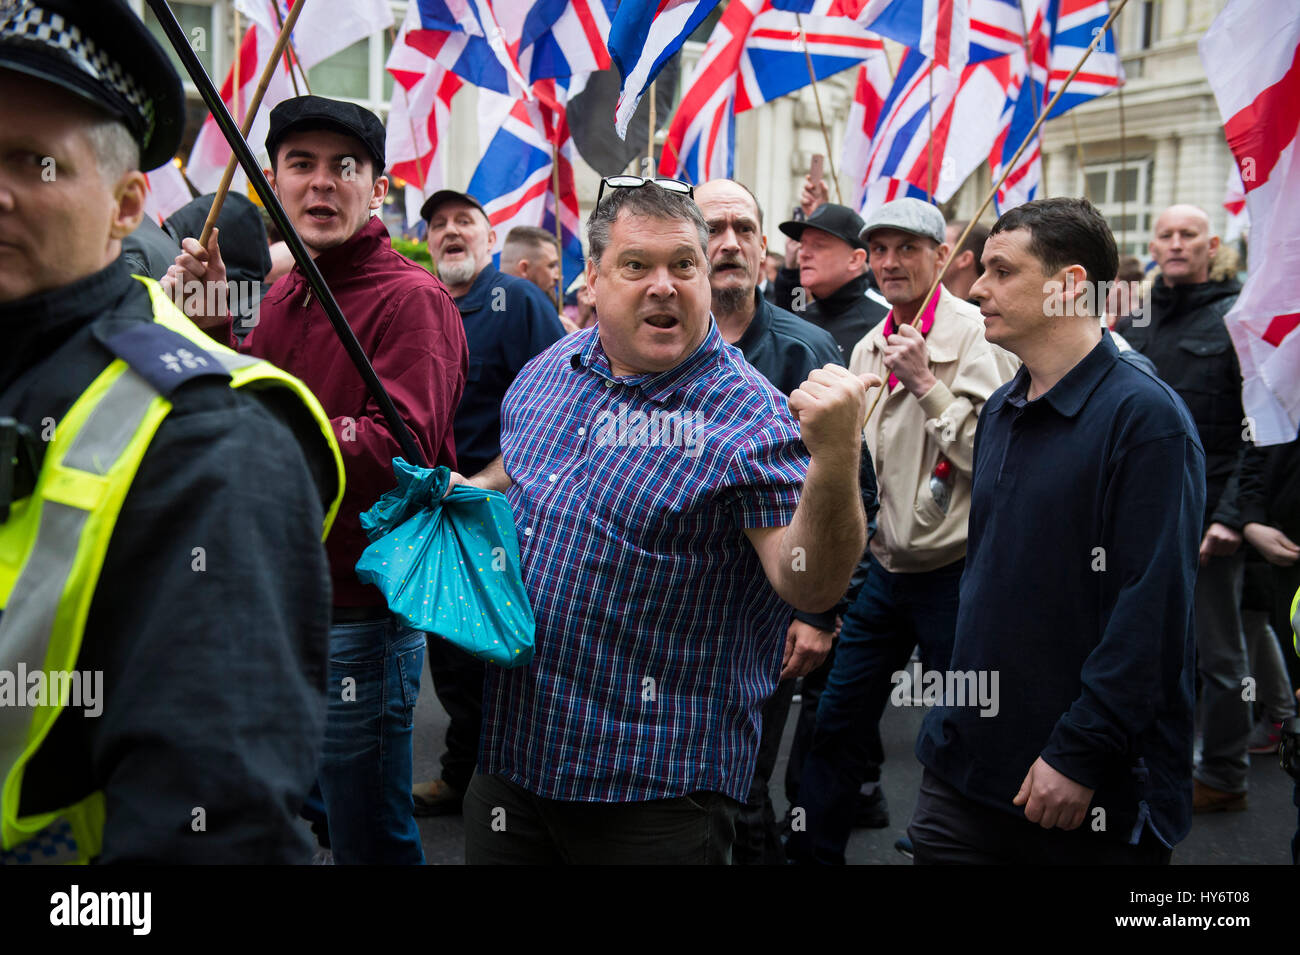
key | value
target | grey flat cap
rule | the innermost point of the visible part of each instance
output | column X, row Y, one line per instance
column 907, row 215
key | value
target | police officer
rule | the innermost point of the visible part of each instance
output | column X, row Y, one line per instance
column 162, row 664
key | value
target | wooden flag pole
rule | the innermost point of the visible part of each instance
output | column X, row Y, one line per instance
column 559, row 238
column 650, row 136
column 253, row 106
column 1029, row 63
column 929, row 163
column 1029, row 138
column 291, row 55
column 821, row 120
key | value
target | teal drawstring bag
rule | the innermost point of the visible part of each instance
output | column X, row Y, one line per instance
column 450, row 565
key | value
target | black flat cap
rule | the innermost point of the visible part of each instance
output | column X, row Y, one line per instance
column 318, row 112
column 448, row 195
column 101, row 52
column 840, row 221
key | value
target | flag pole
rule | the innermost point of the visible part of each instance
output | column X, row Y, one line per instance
column 929, row 163
column 559, row 238
column 347, row 338
column 812, row 80
column 650, row 137
column 422, row 182
column 291, row 56
column 1029, row 138
column 254, row 104
column 1029, row 62
column 238, row 74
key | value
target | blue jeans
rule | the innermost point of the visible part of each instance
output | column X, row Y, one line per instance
column 365, row 774
column 892, row 614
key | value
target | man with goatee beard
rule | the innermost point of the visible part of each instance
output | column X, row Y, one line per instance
column 507, row 320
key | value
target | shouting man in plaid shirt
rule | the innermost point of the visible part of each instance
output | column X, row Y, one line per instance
column 670, row 503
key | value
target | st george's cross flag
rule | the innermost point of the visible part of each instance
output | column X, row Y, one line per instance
column 1251, row 55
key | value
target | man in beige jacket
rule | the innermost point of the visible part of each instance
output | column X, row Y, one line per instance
column 921, row 434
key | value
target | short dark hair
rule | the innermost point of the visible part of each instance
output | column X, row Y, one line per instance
column 1064, row 231
column 1130, row 269
column 979, row 234
column 650, row 200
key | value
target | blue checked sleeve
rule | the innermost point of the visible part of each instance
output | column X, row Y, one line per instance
column 766, row 475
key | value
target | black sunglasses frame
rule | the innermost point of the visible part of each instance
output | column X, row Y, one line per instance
column 687, row 189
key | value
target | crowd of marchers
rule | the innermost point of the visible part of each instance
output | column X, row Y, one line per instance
column 904, row 450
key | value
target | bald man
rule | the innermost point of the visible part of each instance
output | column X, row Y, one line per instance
column 1183, row 333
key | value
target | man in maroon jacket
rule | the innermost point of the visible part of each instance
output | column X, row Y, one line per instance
column 327, row 160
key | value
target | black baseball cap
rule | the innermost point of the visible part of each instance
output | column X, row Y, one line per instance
column 840, row 221
column 103, row 53
column 319, row 112
column 447, row 195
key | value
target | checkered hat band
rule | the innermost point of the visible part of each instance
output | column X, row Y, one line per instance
column 33, row 25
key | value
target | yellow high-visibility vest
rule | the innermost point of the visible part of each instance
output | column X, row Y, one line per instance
column 52, row 550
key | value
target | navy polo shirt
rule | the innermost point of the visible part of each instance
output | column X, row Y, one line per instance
column 507, row 320
column 1080, row 565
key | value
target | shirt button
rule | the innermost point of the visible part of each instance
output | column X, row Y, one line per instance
column 581, row 432
column 528, row 532
column 609, row 384
column 553, row 478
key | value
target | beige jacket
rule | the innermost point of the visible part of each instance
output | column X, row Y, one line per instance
column 906, row 436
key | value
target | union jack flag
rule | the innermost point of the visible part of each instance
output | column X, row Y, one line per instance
column 1059, row 32
column 643, row 36
column 869, row 95
column 465, row 37
column 513, row 179
column 507, row 47
column 904, row 159
column 755, row 55
column 938, row 28
column 417, row 119
column 553, row 38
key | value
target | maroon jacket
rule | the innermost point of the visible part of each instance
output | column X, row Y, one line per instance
column 410, row 330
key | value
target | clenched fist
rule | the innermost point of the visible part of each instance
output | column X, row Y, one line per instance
column 829, row 407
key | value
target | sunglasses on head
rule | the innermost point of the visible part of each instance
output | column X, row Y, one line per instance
column 636, row 182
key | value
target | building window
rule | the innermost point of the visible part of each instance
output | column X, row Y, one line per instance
column 345, row 75
column 201, row 23
column 1122, row 193
column 1150, row 28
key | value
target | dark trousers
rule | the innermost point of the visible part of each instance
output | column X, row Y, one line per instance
column 758, row 840
column 811, row 689
column 458, row 682
column 949, row 829
column 507, row 825
column 892, row 614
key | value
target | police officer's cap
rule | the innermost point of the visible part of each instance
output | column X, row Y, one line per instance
column 101, row 52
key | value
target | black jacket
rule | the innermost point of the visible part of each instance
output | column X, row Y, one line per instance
column 1184, row 335
column 786, row 349
column 214, row 676
column 848, row 313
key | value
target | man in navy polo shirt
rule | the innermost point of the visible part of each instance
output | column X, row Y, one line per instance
column 1076, row 602
column 507, row 320
column 670, row 503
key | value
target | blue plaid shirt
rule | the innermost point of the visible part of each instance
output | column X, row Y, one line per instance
column 658, row 634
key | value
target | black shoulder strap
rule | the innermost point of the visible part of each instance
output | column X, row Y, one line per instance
column 164, row 358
